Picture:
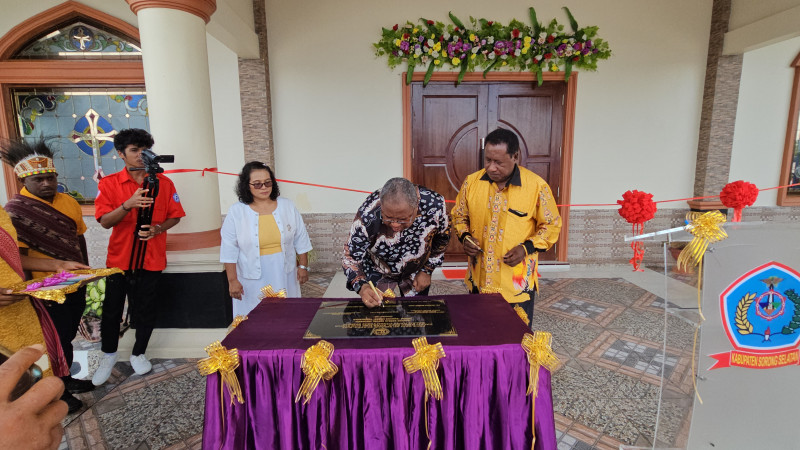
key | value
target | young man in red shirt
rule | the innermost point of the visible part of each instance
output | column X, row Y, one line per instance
column 120, row 197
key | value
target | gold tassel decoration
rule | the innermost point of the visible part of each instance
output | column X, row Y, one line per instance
column 538, row 347
column 491, row 290
column 388, row 294
column 522, row 314
column 236, row 321
column 426, row 358
column 705, row 227
column 268, row 292
column 316, row 365
column 224, row 361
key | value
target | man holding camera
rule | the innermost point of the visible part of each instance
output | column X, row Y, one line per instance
column 120, row 198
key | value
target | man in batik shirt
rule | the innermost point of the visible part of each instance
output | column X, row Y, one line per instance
column 397, row 239
column 504, row 216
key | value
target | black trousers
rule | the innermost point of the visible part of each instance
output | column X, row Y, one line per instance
column 140, row 289
column 526, row 306
column 66, row 318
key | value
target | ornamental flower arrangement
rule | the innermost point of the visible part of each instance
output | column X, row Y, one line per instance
column 489, row 45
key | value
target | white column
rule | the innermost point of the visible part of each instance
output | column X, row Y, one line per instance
column 175, row 60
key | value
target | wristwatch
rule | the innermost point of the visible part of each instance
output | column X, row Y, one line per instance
column 300, row 266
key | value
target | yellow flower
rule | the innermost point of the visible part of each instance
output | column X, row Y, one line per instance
column 433, row 35
column 565, row 41
column 504, row 63
column 472, row 37
column 455, row 61
column 416, row 56
column 554, row 68
column 524, row 50
column 397, row 42
column 472, row 56
column 430, row 50
column 416, row 30
column 436, row 62
column 437, row 46
column 526, row 40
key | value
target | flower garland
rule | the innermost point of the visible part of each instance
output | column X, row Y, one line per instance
column 490, row 45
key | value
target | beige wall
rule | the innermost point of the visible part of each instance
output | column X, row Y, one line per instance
column 762, row 116
column 337, row 109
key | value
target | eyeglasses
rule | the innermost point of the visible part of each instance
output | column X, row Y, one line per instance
column 260, row 185
column 389, row 221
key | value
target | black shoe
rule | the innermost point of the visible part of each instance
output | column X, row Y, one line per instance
column 73, row 403
column 77, row 386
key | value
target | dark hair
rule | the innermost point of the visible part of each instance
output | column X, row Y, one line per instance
column 243, row 186
column 133, row 136
column 503, row 136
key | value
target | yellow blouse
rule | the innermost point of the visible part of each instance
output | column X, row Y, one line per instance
column 269, row 236
column 19, row 324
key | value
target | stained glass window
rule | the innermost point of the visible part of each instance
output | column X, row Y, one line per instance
column 81, row 125
column 81, row 41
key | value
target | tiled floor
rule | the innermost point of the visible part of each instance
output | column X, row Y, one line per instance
column 608, row 330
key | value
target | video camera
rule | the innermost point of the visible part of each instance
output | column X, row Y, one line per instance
column 151, row 161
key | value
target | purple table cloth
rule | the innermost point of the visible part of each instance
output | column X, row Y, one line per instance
column 372, row 403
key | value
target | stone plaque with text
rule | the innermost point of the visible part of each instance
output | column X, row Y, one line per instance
column 351, row 319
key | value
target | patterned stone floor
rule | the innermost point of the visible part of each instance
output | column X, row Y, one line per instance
column 608, row 333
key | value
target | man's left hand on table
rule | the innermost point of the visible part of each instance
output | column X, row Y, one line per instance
column 422, row 281
column 515, row 256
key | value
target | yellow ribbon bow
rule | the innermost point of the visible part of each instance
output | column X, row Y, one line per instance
column 426, row 358
column 224, row 361
column 538, row 347
column 705, row 227
column 267, row 291
column 236, row 321
column 316, row 365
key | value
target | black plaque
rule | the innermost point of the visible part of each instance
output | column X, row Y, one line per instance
column 352, row 319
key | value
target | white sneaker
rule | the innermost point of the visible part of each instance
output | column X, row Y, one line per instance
column 140, row 364
column 104, row 371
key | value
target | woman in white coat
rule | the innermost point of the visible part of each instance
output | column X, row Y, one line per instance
column 263, row 238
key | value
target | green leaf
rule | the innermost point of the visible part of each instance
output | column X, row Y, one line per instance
column 567, row 69
column 539, row 76
column 463, row 70
column 535, row 22
column 455, row 20
column 410, row 71
column 491, row 66
column 428, row 74
column 572, row 21
column 484, row 23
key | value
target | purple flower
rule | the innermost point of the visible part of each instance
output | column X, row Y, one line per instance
column 499, row 44
column 404, row 46
column 576, row 46
column 416, row 47
column 519, row 44
column 483, row 41
column 586, row 51
column 422, row 38
column 588, row 43
column 594, row 50
column 562, row 47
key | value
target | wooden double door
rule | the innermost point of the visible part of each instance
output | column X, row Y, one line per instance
column 449, row 124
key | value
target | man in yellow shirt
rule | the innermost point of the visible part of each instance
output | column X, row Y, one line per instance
column 49, row 225
column 504, row 216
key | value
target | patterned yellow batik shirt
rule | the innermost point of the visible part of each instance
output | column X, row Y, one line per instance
column 523, row 212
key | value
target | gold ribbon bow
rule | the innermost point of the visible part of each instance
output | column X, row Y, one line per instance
column 236, row 321
column 426, row 358
column 388, row 294
column 705, row 227
column 538, row 347
column 224, row 361
column 316, row 365
column 267, row 291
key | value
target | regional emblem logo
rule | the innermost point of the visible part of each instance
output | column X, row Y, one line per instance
column 761, row 316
